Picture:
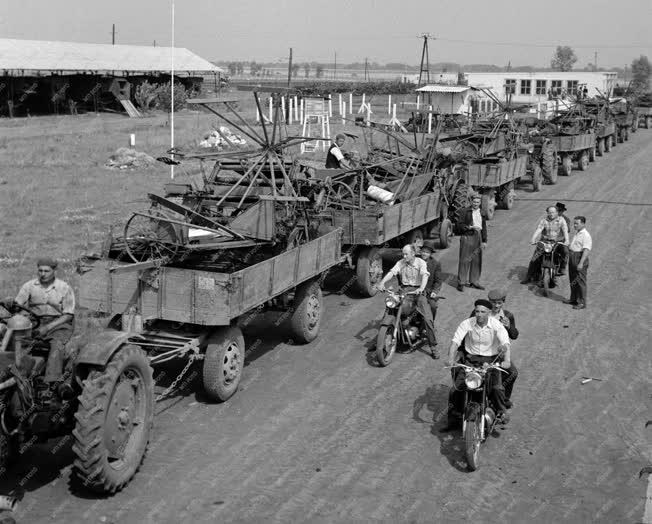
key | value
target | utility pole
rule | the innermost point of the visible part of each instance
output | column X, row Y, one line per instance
column 366, row 78
column 335, row 67
column 113, row 35
column 154, row 43
column 290, row 68
column 425, row 60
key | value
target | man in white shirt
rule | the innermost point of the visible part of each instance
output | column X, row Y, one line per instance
column 485, row 340
column 413, row 273
column 578, row 263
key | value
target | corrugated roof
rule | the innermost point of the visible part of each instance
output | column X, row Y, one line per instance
column 17, row 56
column 437, row 88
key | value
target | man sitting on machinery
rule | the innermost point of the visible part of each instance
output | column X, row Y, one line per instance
column 551, row 228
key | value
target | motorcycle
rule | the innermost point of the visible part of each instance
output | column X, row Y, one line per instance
column 549, row 263
column 478, row 416
column 401, row 324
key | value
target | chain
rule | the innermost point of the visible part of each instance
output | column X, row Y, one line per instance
column 191, row 359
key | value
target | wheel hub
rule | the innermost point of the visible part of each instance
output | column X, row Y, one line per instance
column 313, row 311
column 120, row 417
column 230, row 366
column 376, row 270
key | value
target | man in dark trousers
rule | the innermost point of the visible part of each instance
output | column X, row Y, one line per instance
column 578, row 263
column 497, row 298
column 563, row 259
column 435, row 278
column 335, row 156
column 473, row 239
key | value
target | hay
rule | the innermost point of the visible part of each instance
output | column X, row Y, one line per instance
column 127, row 158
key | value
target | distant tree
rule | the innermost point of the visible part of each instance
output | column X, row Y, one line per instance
column 295, row 70
column 306, row 69
column 641, row 71
column 146, row 95
column 319, row 71
column 563, row 59
column 255, row 69
column 164, row 99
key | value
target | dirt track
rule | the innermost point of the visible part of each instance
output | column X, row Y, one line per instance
column 318, row 433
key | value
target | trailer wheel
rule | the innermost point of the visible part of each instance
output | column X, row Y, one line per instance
column 583, row 161
column 369, row 271
column 223, row 363
column 113, row 421
column 592, row 154
column 600, row 147
column 536, row 177
column 488, row 205
column 608, row 141
column 445, row 233
column 549, row 164
column 306, row 318
column 566, row 166
column 506, row 196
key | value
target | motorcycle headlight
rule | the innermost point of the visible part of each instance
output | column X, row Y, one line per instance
column 391, row 302
column 547, row 248
column 473, row 380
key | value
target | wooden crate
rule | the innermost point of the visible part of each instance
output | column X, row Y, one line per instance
column 496, row 175
column 573, row 142
column 205, row 297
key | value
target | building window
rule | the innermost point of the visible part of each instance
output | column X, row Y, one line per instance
column 571, row 87
column 541, row 87
column 555, row 87
column 526, row 87
column 510, row 86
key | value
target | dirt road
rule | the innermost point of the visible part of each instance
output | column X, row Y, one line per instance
column 318, row 433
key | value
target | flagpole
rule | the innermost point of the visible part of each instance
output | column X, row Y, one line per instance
column 172, row 98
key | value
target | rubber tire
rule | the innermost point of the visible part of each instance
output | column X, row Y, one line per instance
column 445, row 233
column 566, row 168
column 537, row 177
column 472, row 439
column 608, row 141
column 583, row 161
column 383, row 333
column 217, row 345
column 600, row 147
column 364, row 281
column 591, row 152
column 459, row 203
column 547, row 277
column 549, row 164
column 91, row 467
column 299, row 323
column 488, row 205
column 506, row 197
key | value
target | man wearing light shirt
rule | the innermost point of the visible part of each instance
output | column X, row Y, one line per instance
column 551, row 228
column 578, row 263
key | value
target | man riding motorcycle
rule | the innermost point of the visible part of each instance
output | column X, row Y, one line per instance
column 53, row 301
column 485, row 341
column 412, row 273
column 550, row 228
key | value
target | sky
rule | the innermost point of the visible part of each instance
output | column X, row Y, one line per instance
column 465, row 31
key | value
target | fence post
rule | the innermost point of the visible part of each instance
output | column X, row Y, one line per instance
column 343, row 113
column 350, row 103
column 429, row 119
column 330, row 106
column 389, row 105
column 296, row 108
column 418, row 101
column 271, row 113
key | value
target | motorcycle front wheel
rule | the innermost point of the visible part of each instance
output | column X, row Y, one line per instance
column 385, row 345
column 547, row 277
column 472, row 439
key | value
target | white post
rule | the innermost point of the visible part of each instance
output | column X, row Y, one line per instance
column 132, row 139
column 330, row 106
column 418, row 101
column 350, row 103
column 339, row 97
column 389, row 105
column 289, row 110
column 430, row 120
column 368, row 114
column 257, row 114
column 301, row 110
column 282, row 108
column 296, row 108
column 172, row 97
column 344, row 114
column 271, row 113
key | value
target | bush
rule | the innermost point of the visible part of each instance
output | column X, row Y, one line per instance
column 164, row 101
column 146, row 96
column 357, row 88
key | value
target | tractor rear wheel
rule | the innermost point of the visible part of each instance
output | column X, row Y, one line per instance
column 506, row 196
column 459, row 202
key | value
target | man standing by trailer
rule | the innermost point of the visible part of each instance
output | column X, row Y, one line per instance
column 473, row 240
column 578, row 263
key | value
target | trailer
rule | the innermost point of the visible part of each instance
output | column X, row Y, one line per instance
column 366, row 231
column 176, row 313
column 644, row 116
column 604, row 137
column 576, row 147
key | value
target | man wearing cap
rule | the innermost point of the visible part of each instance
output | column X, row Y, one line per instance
column 53, row 301
column 563, row 259
column 412, row 273
column 335, row 157
column 551, row 228
column 497, row 298
column 485, row 340
column 435, row 279
column 473, row 239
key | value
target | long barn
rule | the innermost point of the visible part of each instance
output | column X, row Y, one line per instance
column 38, row 77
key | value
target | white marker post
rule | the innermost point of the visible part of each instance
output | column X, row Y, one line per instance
column 350, row 103
column 282, row 108
column 289, row 110
column 389, row 105
column 343, row 114
column 301, row 110
column 132, row 139
column 296, row 108
column 368, row 115
column 339, row 98
column 330, row 106
column 418, row 101
column 271, row 114
column 429, row 119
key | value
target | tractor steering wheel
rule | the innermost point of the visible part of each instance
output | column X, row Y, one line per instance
column 33, row 317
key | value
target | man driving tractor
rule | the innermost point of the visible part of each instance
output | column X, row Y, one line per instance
column 412, row 273
column 53, row 302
